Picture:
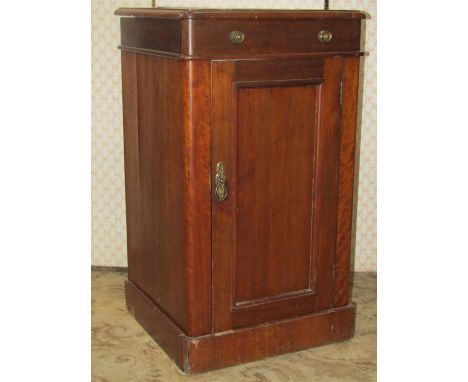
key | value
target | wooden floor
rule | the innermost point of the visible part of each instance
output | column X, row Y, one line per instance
column 122, row 351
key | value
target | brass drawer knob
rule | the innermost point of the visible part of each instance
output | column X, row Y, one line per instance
column 325, row 36
column 237, row 37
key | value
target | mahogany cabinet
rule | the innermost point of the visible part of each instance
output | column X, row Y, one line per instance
column 239, row 133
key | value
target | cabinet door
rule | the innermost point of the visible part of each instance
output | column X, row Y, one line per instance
column 275, row 163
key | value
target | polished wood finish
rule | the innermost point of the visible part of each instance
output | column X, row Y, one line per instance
column 156, row 322
column 198, row 34
column 241, row 14
column 346, row 179
column 279, row 139
column 326, row 188
column 199, row 354
column 163, row 36
column 155, row 179
column 254, row 72
column 210, row 38
column 197, row 217
column 267, row 270
column 167, row 173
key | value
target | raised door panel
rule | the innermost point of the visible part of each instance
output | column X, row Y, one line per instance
column 275, row 129
column 274, row 192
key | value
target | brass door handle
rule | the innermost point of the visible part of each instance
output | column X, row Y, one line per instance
column 221, row 187
column 237, row 37
column 325, row 36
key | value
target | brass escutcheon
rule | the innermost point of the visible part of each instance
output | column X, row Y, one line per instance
column 221, row 188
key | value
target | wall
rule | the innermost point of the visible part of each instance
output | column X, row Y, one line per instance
column 108, row 197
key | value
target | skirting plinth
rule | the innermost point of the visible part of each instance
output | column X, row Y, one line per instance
column 214, row 351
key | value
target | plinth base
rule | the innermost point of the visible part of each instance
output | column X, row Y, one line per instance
column 214, row 351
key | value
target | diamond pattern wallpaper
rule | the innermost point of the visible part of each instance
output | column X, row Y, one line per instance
column 108, row 195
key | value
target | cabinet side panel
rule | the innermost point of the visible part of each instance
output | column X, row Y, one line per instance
column 346, row 182
column 157, row 261
column 132, row 191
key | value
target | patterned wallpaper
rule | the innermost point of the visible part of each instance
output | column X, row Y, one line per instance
column 108, row 197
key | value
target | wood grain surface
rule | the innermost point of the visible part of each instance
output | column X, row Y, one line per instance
column 346, row 180
column 205, row 33
column 154, row 169
column 211, row 38
column 222, row 282
column 257, row 14
column 261, row 233
column 123, row 352
column 167, row 147
column 197, row 199
column 214, row 351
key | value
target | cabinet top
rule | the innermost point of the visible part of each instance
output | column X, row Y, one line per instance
column 256, row 14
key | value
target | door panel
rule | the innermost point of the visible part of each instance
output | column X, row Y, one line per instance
column 275, row 151
column 272, row 256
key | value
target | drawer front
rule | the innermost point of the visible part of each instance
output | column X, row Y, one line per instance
column 241, row 37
